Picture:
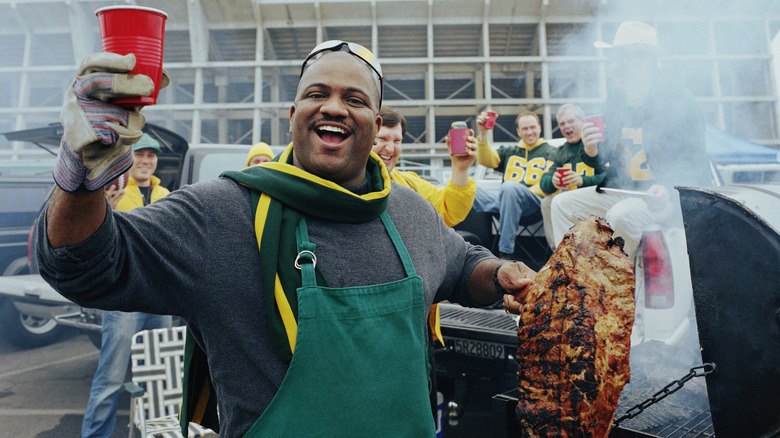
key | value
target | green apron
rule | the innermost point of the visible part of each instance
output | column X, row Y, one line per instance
column 360, row 365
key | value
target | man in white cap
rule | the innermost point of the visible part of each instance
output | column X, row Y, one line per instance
column 654, row 140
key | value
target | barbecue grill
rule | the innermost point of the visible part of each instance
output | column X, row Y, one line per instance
column 733, row 236
column 734, row 252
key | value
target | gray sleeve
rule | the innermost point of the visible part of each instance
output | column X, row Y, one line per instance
column 148, row 259
column 442, row 258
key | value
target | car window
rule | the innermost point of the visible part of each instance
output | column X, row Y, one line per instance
column 213, row 164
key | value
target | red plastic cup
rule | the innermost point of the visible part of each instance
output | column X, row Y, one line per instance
column 490, row 121
column 598, row 121
column 562, row 171
column 137, row 30
column 458, row 141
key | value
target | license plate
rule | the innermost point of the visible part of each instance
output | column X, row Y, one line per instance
column 481, row 349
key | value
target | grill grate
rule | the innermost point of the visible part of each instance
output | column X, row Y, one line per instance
column 481, row 320
column 688, row 418
column 698, row 426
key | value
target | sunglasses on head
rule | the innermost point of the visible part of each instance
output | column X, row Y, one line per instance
column 355, row 49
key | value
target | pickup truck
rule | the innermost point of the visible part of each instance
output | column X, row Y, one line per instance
column 31, row 312
column 24, row 186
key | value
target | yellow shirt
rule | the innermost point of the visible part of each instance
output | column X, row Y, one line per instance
column 133, row 199
column 452, row 202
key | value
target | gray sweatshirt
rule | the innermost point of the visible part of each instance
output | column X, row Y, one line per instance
column 194, row 254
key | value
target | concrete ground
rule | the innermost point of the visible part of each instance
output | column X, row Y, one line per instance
column 44, row 391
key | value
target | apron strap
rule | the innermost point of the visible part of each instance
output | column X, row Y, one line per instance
column 306, row 261
column 399, row 244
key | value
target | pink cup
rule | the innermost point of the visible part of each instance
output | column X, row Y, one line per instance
column 458, row 141
column 598, row 121
column 490, row 121
column 137, row 30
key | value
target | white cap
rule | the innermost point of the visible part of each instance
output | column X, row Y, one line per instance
column 633, row 35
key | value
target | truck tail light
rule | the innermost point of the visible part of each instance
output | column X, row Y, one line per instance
column 659, row 280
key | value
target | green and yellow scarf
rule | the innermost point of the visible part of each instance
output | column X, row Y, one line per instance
column 285, row 193
column 281, row 194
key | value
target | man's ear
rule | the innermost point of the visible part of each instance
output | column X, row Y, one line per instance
column 378, row 123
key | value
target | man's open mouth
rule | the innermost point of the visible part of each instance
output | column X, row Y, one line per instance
column 332, row 134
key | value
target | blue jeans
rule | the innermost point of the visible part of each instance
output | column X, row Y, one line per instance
column 118, row 329
column 513, row 202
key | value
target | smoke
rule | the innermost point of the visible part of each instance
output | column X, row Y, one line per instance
column 722, row 61
column 718, row 50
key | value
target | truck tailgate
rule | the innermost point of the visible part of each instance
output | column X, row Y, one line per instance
column 29, row 286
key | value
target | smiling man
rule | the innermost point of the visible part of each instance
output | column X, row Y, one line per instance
column 569, row 156
column 522, row 166
column 143, row 187
column 305, row 281
column 454, row 200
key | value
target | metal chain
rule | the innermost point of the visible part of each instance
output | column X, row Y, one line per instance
column 697, row 371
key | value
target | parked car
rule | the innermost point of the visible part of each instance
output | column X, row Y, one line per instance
column 24, row 186
column 32, row 313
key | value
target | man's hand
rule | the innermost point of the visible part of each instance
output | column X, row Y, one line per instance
column 659, row 199
column 114, row 194
column 98, row 136
column 571, row 178
column 515, row 277
column 481, row 130
column 591, row 136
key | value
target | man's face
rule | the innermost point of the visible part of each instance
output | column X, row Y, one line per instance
column 629, row 66
column 334, row 118
column 388, row 145
column 528, row 129
column 257, row 159
column 570, row 126
column 144, row 165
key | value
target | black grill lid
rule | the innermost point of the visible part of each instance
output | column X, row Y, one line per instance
column 734, row 252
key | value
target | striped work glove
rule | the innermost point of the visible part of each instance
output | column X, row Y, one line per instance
column 96, row 145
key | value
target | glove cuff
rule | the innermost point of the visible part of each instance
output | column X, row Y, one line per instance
column 116, row 168
column 69, row 172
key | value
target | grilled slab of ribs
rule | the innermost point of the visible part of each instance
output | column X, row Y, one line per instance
column 574, row 336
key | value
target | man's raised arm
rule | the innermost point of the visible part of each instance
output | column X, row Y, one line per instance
column 96, row 144
column 72, row 217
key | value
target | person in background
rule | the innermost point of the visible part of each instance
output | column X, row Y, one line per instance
column 306, row 281
column 522, row 167
column 260, row 153
column 569, row 157
column 143, row 187
column 454, row 200
column 119, row 327
column 654, row 141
